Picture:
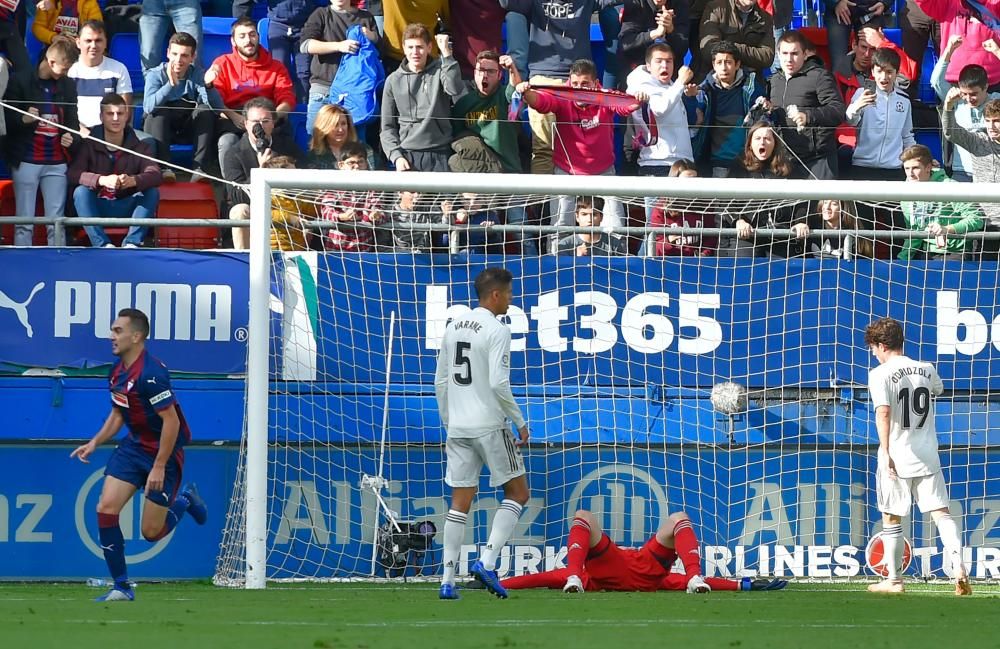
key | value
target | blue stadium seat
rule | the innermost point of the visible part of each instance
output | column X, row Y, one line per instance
column 894, row 35
column 216, row 38
column 35, row 47
column 125, row 49
column 930, row 139
column 262, row 30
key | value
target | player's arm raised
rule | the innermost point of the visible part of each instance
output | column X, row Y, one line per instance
column 111, row 426
column 168, row 439
column 500, row 381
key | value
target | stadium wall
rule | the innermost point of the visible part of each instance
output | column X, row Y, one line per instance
column 577, row 405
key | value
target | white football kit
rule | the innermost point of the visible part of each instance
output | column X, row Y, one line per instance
column 472, row 386
column 908, row 388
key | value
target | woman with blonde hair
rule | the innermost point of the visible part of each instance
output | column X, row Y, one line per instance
column 834, row 214
column 333, row 129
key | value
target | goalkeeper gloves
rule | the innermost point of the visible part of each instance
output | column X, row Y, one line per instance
column 748, row 583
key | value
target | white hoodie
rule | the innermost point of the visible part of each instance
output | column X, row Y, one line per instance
column 884, row 129
column 666, row 103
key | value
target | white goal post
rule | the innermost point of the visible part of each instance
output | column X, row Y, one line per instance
column 256, row 491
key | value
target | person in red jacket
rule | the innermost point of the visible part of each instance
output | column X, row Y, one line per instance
column 248, row 71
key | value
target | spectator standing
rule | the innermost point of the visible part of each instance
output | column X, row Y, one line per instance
column 973, row 83
column 284, row 31
column 884, row 120
column 645, row 22
column 555, row 42
column 324, row 37
column 845, row 17
column 97, row 75
column 38, row 152
column 63, row 19
column 838, row 215
column 728, row 94
column 112, row 181
column 916, row 30
column 476, row 26
column 812, row 106
column 944, row 221
column 157, row 17
column 416, row 104
column 248, row 71
column 482, row 115
column 399, row 15
column 12, row 22
column 408, row 211
column 178, row 105
column 743, row 23
column 854, row 69
column 983, row 148
column 976, row 23
column 584, row 137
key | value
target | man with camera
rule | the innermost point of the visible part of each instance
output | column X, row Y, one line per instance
column 258, row 145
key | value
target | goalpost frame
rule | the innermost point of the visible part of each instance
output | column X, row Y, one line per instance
column 263, row 181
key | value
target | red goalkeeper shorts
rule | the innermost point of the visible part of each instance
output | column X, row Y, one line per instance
column 610, row 567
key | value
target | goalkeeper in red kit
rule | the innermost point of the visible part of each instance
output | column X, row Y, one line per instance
column 594, row 562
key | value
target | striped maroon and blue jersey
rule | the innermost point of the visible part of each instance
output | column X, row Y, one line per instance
column 7, row 9
column 140, row 392
column 45, row 147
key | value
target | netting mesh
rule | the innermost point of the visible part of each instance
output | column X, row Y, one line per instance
column 693, row 377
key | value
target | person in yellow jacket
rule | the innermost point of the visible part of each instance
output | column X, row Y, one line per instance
column 288, row 212
column 61, row 19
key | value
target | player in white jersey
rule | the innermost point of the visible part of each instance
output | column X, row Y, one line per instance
column 474, row 399
column 909, row 468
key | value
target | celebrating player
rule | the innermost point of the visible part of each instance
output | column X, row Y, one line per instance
column 909, row 468
column 151, row 457
column 595, row 562
column 474, row 398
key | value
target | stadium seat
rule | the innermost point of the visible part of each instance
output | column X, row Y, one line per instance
column 125, row 49
column 187, row 201
column 818, row 37
column 216, row 38
column 8, row 208
column 262, row 30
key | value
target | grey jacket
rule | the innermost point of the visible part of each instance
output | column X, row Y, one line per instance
column 416, row 107
column 985, row 158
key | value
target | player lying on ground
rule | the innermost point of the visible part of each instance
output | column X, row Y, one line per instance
column 595, row 562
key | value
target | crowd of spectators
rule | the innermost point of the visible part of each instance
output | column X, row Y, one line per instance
column 724, row 88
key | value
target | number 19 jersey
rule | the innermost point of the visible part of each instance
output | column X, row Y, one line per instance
column 908, row 387
column 472, row 383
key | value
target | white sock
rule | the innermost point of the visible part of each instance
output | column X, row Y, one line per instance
column 503, row 526
column 892, row 549
column 952, row 542
column 454, row 534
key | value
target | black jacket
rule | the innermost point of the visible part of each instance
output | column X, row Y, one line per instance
column 813, row 90
column 639, row 18
column 19, row 134
column 241, row 158
column 770, row 215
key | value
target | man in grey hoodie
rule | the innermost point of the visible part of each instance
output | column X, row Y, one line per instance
column 416, row 104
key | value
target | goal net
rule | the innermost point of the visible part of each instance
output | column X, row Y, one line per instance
column 730, row 386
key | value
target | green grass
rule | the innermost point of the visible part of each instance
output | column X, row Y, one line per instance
column 194, row 615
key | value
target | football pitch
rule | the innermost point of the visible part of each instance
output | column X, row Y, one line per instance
column 376, row 616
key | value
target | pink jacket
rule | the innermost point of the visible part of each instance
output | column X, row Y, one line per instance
column 956, row 17
column 582, row 137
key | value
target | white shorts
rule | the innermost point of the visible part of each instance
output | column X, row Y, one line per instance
column 466, row 456
column 896, row 496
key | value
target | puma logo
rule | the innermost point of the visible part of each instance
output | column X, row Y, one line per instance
column 20, row 309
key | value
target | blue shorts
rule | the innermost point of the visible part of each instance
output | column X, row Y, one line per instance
column 131, row 464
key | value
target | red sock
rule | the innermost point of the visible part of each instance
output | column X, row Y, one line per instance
column 686, row 545
column 578, row 545
column 549, row 579
column 676, row 581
